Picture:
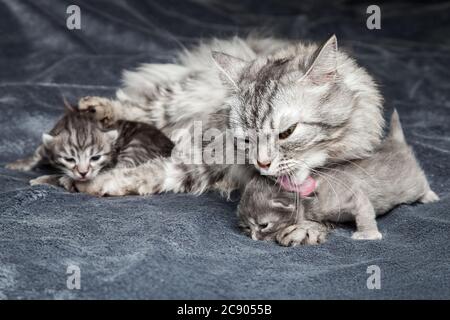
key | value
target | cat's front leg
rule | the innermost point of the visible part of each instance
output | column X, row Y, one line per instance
column 102, row 109
column 109, row 111
column 52, row 179
column 305, row 232
column 156, row 176
column 67, row 183
column 366, row 224
column 105, row 184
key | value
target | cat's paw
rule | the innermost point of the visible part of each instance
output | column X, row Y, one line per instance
column 367, row 235
column 37, row 181
column 100, row 186
column 47, row 179
column 306, row 232
column 19, row 165
column 67, row 183
column 100, row 108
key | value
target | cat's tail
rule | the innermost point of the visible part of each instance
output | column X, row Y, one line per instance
column 396, row 131
column 396, row 135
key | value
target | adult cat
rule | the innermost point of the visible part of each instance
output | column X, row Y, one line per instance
column 319, row 103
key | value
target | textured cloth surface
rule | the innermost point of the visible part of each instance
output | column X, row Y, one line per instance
column 184, row 246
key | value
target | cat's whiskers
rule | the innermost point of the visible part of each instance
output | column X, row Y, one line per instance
column 305, row 165
column 324, row 176
column 348, row 174
column 356, row 165
column 296, row 199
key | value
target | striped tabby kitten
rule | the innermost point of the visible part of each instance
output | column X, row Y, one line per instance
column 81, row 147
column 357, row 191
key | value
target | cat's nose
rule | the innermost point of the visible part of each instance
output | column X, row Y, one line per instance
column 83, row 173
column 263, row 165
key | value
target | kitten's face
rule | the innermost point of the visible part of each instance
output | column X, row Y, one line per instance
column 81, row 150
column 301, row 105
column 263, row 210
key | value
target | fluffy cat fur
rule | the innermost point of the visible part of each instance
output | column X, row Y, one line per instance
column 265, row 84
column 262, row 84
column 357, row 191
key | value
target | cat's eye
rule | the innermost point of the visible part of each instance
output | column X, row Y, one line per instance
column 264, row 226
column 95, row 158
column 288, row 132
column 72, row 160
column 244, row 228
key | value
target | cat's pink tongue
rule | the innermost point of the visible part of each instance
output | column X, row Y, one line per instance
column 305, row 189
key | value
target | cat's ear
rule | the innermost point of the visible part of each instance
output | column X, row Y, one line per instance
column 324, row 66
column 68, row 106
column 396, row 131
column 47, row 139
column 112, row 135
column 230, row 67
column 285, row 201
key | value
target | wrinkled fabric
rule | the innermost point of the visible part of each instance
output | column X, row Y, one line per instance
column 185, row 246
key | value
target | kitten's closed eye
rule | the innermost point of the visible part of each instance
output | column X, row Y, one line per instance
column 265, row 227
column 245, row 228
column 96, row 158
column 71, row 160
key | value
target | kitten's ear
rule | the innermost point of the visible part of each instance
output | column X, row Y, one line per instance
column 324, row 65
column 68, row 105
column 47, row 139
column 286, row 201
column 396, row 132
column 112, row 135
column 230, row 67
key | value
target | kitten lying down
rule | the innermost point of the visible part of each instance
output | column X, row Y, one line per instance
column 357, row 191
column 81, row 147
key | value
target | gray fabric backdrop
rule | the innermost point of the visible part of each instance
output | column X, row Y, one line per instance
column 183, row 246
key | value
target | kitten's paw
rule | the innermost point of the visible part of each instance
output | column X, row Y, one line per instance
column 100, row 108
column 307, row 232
column 47, row 179
column 67, row 183
column 37, row 181
column 89, row 187
column 100, row 187
column 19, row 165
column 367, row 235
column 429, row 197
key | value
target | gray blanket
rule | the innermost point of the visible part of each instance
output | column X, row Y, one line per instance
column 184, row 246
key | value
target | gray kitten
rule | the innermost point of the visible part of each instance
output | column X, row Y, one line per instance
column 356, row 191
column 81, row 147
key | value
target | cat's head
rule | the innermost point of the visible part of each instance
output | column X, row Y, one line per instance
column 314, row 102
column 264, row 209
column 79, row 147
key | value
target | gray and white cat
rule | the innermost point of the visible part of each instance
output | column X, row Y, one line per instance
column 81, row 147
column 357, row 191
column 323, row 107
